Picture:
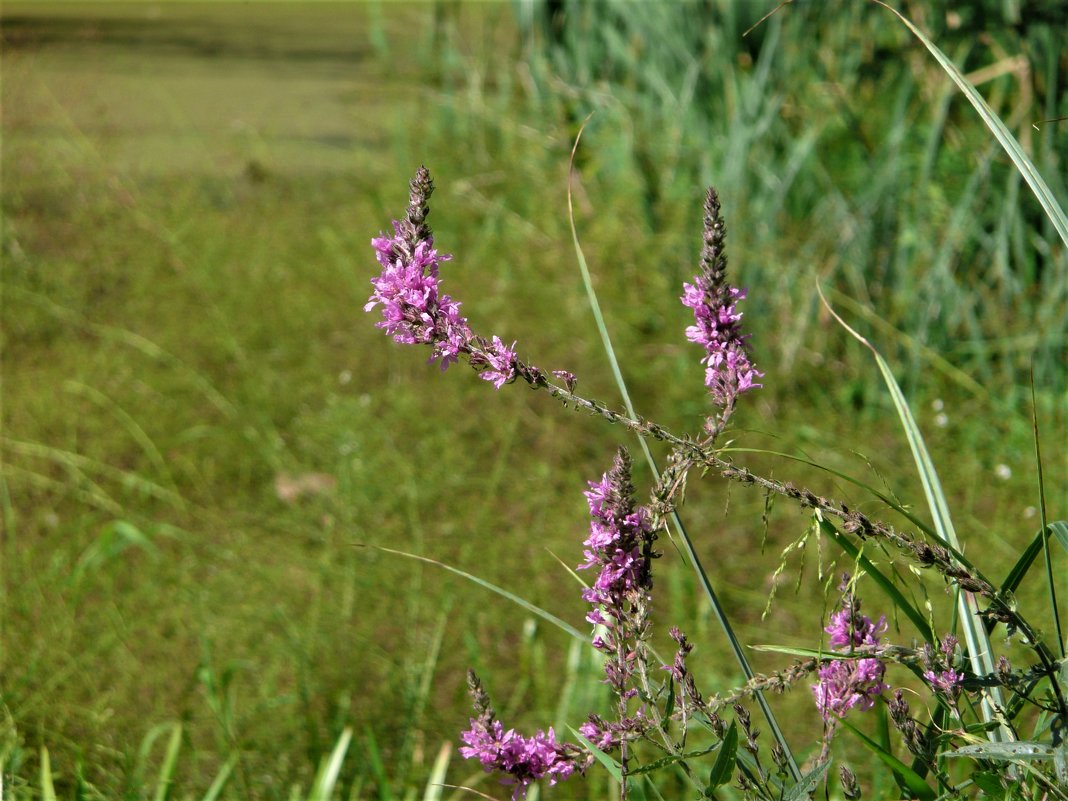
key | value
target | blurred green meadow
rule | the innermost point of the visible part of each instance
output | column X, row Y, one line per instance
column 202, row 431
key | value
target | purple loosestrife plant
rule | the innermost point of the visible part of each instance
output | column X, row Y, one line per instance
column 717, row 322
column 847, row 683
column 414, row 311
column 521, row 760
column 619, row 549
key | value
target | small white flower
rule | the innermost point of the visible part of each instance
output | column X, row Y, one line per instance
column 1003, row 471
column 344, row 377
column 1030, row 512
column 938, row 405
column 942, row 420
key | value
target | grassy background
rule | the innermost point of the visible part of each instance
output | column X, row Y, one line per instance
column 188, row 195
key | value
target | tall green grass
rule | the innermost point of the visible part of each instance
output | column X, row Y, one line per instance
column 186, row 208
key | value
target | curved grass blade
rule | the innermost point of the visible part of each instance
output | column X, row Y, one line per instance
column 222, row 778
column 1051, row 586
column 536, row 610
column 435, row 782
column 884, row 582
column 910, row 780
column 680, row 530
column 1058, row 529
column 322, row 788
column 997, row 127
column 980, row 653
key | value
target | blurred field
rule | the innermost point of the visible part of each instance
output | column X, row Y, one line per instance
column 200, row 424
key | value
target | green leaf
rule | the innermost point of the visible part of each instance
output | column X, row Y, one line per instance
column 1001, row 133
column 663, row 762
column 1023, row 750
column 808, row 784
column 723, row 768
column 613, row 767
column 1058, row 529
column 909, row 778
column 989, row 782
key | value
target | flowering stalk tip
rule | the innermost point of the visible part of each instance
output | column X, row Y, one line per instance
column 717, row 323
column 414, row 310
column 847, row 683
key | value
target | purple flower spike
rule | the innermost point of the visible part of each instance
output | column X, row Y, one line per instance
column 414, row 312
column 717, row 323
column 850, row 629
column 523, row 760
column 846, row 683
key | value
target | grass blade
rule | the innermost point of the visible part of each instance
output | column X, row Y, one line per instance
column 536, row 610
column 1058, row 529
column 1042, row 518
column 170, row 763
column 323, row 786
column 997, row 127
column 221, row 779
column 435, row 782
column 48, row 790
column 980, row 653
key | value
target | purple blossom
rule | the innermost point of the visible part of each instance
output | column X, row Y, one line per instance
column 717, row 322
column 846, row 683
column 501, row 363
column 414, row 311
column 523, row 759
column 850, row 629
column 945, row 681
column 940, row 673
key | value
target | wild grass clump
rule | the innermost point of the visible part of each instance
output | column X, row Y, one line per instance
column 968, row 719
column 196, row 428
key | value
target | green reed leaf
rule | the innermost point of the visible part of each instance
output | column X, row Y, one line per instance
column 1005, row 138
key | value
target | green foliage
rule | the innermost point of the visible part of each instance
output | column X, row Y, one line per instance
column 199, row 423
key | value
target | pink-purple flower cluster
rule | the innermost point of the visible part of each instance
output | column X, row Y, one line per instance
column 847, row 683
column 414, row 311
column 940, row 673
column 619, row 547
column 523, row 760
column 717, row 322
